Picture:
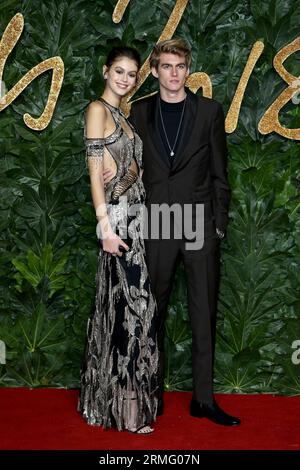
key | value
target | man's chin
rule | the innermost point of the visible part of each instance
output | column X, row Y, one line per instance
column 175, row 89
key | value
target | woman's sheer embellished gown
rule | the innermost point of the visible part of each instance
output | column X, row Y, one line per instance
column 119, row 370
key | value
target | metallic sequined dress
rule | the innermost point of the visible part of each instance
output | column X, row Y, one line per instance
column 119, row 371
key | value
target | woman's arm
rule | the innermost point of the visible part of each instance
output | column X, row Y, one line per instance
column 95, row 126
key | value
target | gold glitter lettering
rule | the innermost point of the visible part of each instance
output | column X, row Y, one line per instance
column 270, row 122
column 234, row 110
column 200, row 80
column 9, row 39
column 119, row 10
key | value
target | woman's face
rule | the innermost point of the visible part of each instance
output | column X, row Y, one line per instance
column 121, row 75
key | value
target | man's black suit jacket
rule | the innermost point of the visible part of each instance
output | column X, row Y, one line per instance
column 198, row 173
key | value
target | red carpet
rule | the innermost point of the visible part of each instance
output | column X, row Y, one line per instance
column 47, row 419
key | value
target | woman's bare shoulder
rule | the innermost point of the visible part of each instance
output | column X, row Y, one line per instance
column 97, row 108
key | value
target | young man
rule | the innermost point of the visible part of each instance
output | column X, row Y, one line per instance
column 184, row 155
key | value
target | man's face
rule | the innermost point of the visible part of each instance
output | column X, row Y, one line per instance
column 171, row 72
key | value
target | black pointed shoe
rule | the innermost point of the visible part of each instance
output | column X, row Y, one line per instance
column 212, row 412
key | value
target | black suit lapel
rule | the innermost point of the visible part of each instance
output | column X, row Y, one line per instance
column 188, row 128
column 154, row 134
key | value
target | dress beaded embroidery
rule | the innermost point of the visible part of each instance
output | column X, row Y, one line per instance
column 121, row 356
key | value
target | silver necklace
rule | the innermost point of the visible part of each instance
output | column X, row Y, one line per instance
column 164, row 129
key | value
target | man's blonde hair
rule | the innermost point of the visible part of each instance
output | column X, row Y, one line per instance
column 171, row 46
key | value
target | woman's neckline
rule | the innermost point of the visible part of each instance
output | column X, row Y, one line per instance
column 106, row 102
column 118, row 125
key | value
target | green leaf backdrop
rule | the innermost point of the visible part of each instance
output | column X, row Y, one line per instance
column 48, row 242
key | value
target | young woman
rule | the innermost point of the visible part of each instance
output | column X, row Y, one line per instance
column 119, row 371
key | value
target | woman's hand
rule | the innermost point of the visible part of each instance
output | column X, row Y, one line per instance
column 112, row 243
